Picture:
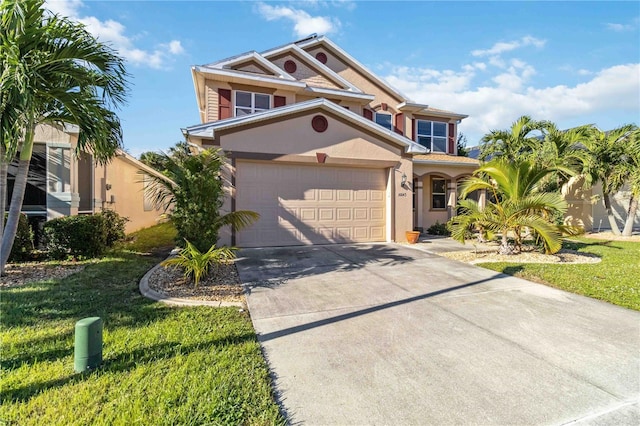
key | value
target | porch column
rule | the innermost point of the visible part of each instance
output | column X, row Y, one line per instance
column 452, row 197
column 419, row 205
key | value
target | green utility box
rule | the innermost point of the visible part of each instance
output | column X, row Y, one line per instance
column 88, row 345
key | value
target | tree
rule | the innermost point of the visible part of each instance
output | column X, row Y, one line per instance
column 610, row 161
column 628, row 170
column 53, row 71
column 195, row 192
column 517, row 143
column 516, row 205
column 461, row 145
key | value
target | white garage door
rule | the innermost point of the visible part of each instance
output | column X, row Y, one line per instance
column 310, row 204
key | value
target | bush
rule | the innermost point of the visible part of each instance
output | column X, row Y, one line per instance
column 439, row 229
column 83, row 236
column 23, row 243
column 114, row 226
column 195, row 263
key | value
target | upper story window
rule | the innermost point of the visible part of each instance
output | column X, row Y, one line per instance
column 249, row 103
column 432, row 134
column 383, row 119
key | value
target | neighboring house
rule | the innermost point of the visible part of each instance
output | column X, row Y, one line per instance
column 324, row 149
column 61, row 184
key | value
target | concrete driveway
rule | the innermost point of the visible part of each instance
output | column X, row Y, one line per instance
column 386, row 334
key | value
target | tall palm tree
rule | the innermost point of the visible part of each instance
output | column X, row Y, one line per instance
column 630, row 171
column 608, row 162
column 516, row 204
column 194, row 192
column 518, row 142
column 53, row 71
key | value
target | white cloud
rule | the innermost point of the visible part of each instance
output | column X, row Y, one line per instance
column 498, row 102
column 620, row 27
column 304, row 24
column 583, row 71
column 114, row 32
column 502, row 47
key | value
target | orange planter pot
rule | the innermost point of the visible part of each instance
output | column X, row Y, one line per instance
column 412, row 236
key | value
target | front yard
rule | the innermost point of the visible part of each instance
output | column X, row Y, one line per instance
column 616, row 279
column 162, row 365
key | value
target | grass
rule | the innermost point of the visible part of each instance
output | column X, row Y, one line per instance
column 616, row 279
column 151, row 239
column 162, row 365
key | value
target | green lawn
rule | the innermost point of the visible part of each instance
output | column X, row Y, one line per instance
column 616, row 279
column 162, row 365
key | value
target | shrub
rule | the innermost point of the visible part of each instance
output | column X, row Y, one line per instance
column 439, row 229
column 196, row 264
column 23, row 243
column 114, row 227
column 83, row 236
column 76, row 236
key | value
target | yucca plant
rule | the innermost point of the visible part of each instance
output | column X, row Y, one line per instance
column 196, row 264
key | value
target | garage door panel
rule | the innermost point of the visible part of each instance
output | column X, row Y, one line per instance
column 310, row 204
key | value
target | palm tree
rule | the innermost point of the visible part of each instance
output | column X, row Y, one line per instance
column 630, row 171
column 608, row 161
column 517, row 204
column 53, row 71
column 194, row 191
column 516, row 143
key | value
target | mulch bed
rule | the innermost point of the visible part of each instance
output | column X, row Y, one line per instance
column 222, row 284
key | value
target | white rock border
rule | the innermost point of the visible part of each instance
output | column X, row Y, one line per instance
column 147, row 292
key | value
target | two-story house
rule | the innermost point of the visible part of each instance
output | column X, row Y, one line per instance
column 323, row 149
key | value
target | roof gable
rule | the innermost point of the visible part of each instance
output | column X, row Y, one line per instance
column 208, row 130
column 276, row 55
column 312, row 43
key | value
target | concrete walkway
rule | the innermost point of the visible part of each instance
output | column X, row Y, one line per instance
column 385, row 334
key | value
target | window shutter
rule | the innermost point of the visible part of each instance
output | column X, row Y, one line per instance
column 400, row 124
column 413, row 129
column 279, row 101
column 224, row 104
column 452, row 139
column 368, row 114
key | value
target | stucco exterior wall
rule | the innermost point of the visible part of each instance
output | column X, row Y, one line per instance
column 120, row 188
column 295, row 136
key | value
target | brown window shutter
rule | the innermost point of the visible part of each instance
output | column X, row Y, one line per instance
column 452, row 139
column 400, row 124
column 224, row 104
column 413, row 129
column 368, row 114
column 279, row 101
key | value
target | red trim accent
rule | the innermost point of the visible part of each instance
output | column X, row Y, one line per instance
column 321, row 157
column 399, row 126
column 384, row 106
column 279, row 101
column 321, row 57
column 368, row 114
column 413, row 129
column 452, row 139
column 319, row 123
column 224, row 104
column 290, row 66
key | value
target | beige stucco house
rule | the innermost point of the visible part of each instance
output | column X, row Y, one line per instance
column 323, row 149
column 61, row 184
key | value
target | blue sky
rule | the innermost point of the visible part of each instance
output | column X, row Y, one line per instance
column 569, row 62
